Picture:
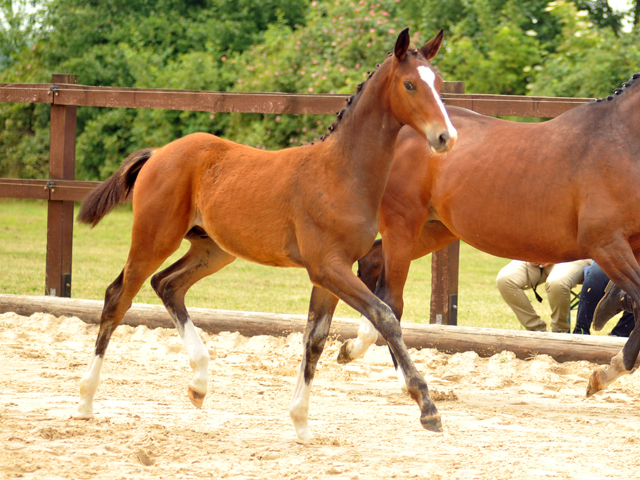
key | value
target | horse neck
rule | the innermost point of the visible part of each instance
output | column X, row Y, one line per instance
column 366, row 136
column 627, row 107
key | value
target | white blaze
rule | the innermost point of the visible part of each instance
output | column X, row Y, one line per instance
column 427, row 75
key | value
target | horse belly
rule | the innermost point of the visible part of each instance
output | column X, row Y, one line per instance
column 254, row 235
column 511, row 238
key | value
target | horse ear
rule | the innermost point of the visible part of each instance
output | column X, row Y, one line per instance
column 430, row 49
column 402, row 44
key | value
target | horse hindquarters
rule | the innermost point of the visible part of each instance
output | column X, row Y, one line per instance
column 160, row 223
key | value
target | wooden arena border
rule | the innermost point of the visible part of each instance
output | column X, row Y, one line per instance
column 449, row 339
column 61, row 189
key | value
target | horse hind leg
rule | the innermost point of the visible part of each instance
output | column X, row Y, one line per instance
column 621, row 266
column 118, row 298
column 321, row 308
column 369, row 271
column 204, row 258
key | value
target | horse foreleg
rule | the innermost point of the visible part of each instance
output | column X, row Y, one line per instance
column 621, row 266
column 621, row 364
column 340, row 280
column 204, row 258
column 321, row 309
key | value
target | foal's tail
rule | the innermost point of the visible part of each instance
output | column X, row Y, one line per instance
column 114, row 189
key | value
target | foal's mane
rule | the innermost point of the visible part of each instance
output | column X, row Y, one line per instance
column 619, row 91
column 353, row 99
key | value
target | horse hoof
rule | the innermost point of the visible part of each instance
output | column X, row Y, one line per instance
column 433, row 423
column 196, row 398
column 85, row 412
column 344, row 356
column 82, row 417
column 595, row 383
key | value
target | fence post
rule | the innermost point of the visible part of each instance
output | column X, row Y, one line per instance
column 445, row 266
column 62, row 166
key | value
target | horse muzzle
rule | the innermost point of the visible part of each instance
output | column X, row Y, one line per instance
column 442, row 141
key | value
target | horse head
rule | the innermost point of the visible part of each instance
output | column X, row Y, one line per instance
column 415, row 97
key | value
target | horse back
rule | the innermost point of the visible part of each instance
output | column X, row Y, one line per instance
column 520, row 190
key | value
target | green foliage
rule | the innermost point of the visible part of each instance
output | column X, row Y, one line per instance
column 301, row 46
column 16, row 30
column 589, row 61
column 133, row 43
column 341, row 42
column 500, row 65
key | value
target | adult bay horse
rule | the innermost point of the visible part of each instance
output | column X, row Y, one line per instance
column 315, row 207
column 556, row 191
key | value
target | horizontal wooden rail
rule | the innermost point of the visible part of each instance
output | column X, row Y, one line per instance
column 74, row 190
column 514, row 105
column 88, row 96
column 449, row 339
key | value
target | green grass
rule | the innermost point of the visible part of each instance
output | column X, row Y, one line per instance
column 99, row 255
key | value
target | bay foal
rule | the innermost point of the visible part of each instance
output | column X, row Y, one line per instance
column 315, row 207
column 555, row 191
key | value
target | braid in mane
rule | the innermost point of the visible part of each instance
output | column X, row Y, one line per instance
column 350, row 100
column 619, row 91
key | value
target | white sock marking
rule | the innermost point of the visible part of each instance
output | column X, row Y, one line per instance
column 299, row 409
column 367, row 336
column 401, row 379
column 198, row 356
column 88, row 386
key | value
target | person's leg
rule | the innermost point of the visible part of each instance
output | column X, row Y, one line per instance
column 625, row 325
column 561, row 280
column 593, row 287
column 512, row 280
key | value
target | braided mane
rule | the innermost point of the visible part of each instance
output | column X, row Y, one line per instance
column 619, row 91
column 354, row 98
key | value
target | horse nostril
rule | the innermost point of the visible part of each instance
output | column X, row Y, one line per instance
column 444, row 138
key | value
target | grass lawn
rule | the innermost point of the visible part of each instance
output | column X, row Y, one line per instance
column 99, row 255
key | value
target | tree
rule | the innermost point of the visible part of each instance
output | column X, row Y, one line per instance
column 590, row 61
column 134, row 43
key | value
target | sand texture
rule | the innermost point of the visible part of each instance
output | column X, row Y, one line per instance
column 503, row 417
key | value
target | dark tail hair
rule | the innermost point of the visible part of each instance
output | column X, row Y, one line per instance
column 114, row 189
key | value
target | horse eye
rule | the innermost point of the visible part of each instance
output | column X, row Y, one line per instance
column 409, row 86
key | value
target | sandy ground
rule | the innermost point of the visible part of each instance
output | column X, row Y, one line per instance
column 503, row 417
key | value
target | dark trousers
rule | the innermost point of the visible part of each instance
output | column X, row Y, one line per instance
column 595, row 281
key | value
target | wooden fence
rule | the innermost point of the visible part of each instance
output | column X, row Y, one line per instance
column 61, row 189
